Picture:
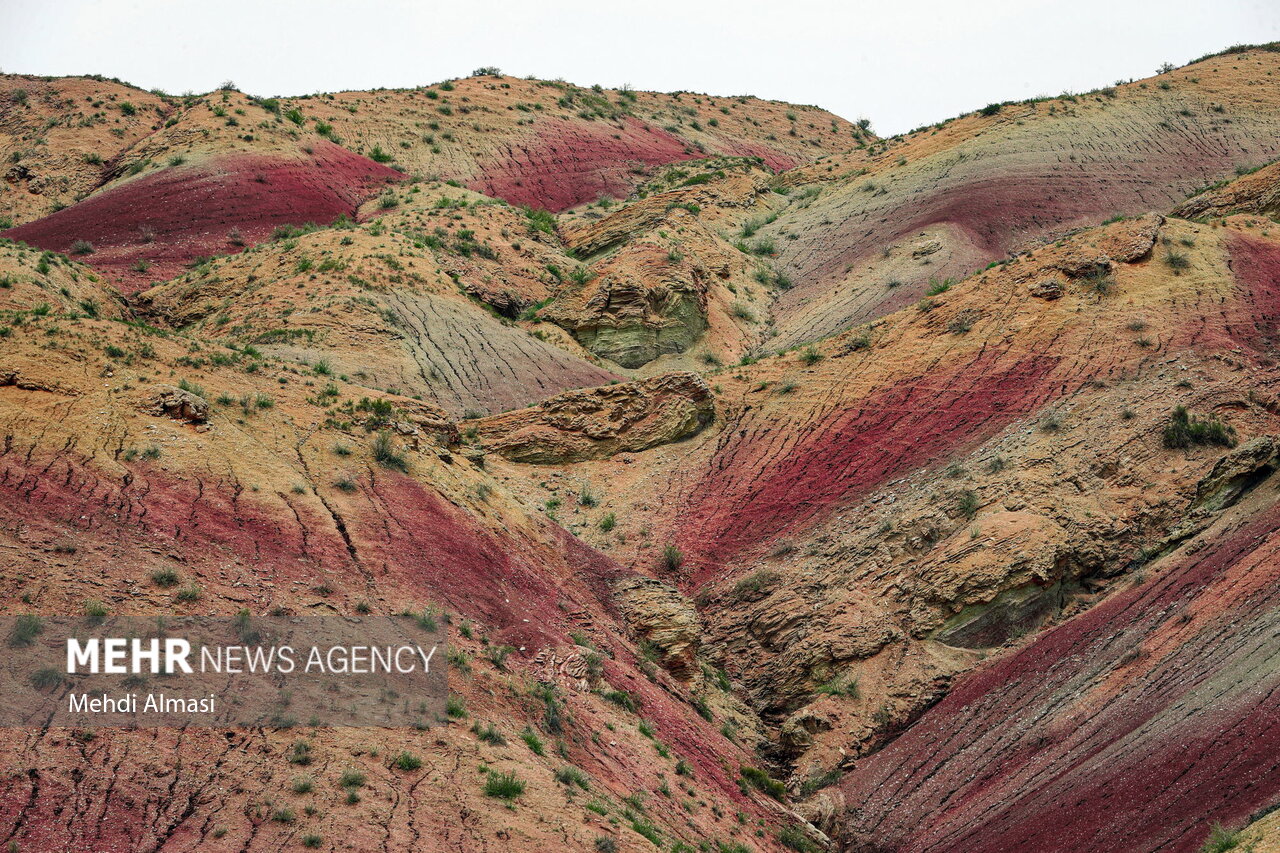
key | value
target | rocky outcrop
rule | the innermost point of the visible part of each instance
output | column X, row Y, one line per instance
column 1258, row 192
column 1048, row 288
column 635, row 219
column 1237, row 472
column 1132, row 240
column 595, row 423
column 642, row 302
column 173, row 402
column 665, row 619
column 1125, row 242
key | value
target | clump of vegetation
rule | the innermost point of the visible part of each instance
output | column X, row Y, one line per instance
column 793, row 838
column 1185, row 430
column 300, row 753
column 503, row 786
column 351, row 778
column 95, row 613
column 756, row 583
column 570, row 775
column 622, row 699
column 754, row 777
column 672, row 558
column 489, row 734
column 385, row 454
column 1177, row 261
column 44, row 679
column 406, row 761
column 1221, row 840
column 531, row 740
column 165, row 578
column 840, row 687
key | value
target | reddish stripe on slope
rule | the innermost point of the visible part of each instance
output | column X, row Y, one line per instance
column 572, row 163
column 403, row 532
column 190, row 209
column 1256, row 264
column 754, row 494
column 1130, row 728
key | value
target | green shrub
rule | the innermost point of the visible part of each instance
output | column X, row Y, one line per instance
column 489, row 734
column 1184, row 430
column 25, row 630
column 406, row 761
column 44, row 679
column 165, row 578
column 570, row 775
column 503, row 786
column 531, row 739
column 95, row 613
column 384, row 452
column 794, row 838
column 1221, row 840
column 300, row 753
column 753, row 777
column 622, row 699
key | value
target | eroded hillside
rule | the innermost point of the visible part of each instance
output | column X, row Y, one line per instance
column 778, row 487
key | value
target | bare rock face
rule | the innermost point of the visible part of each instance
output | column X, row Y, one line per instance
column 639, row 307
column 632, row 319
column 1125, row 242
column 659, row 614
column 1049, row 288
column 633, row 220
column 1258, row 192
column 173, row 402
column 426, row 419
column 595, row 423
column 1237, row 472
column 1081, row 265
column 1133, row 239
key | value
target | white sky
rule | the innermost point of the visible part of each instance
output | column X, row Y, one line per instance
column 901, row 63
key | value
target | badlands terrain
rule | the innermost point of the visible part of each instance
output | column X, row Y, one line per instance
column 780, row 486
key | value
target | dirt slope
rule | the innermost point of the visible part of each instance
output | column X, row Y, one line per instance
column 946, row 200
column 737, row 547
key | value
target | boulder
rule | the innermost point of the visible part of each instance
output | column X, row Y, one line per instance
column 173, row 402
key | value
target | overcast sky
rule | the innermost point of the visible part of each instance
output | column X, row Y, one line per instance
column 901, row 63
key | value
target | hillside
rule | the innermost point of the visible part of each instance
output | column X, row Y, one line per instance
column 778, row 487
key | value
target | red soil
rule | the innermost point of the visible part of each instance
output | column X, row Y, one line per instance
column 169, row 217
column 753, row 494
column 517, row 586
column 572, row 163
column 1126, row 729
column 1256, row 264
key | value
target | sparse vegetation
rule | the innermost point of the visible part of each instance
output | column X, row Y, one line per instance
column 1185, row 430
